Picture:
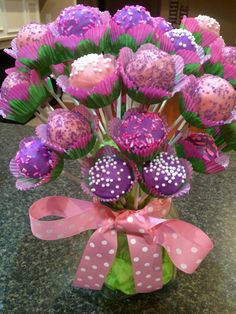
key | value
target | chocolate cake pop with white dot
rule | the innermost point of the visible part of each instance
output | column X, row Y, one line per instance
column 133, row 15
column 110, row 178
column 165, row 175
column 182, row 39
column 90, row 70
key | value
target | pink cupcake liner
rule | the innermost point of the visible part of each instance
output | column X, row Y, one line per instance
column 208, row 38
column 191, row 24
column 19, row 91
column 138, row 32
column 115, row 125
column 31, row 51
column 179, row 68
column 96, row 34
column 87, row 163
column 166, row 44
column 82, row 143
column 229, row 71
column 70, row 42
column 216, row 50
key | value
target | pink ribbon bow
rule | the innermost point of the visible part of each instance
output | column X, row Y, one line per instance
column 146, row 232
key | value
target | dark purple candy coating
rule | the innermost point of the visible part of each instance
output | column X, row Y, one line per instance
column 141, row 130
column 165, row 174
column 205, row 145
column 110, row 177
column 182, row 39
column 130, row 16
column 77, row 20
column 34, row 159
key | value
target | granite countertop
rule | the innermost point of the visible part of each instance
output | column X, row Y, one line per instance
column 35, row 275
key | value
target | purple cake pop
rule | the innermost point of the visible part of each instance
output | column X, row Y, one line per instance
column 77, row 20
column 166, row 175
column 151, row 67
column 162, row 24
column 110, row 178
column 140, row 133
column 12, row 80
column 34, row 159
column 133, row 15
column 182, row 39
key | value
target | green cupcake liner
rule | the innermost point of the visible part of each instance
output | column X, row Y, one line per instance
column 228, row 132
column 23, row 110
column 190, row 117
column 213, row 68
column 80, row 153
column 193, row 68
column 56, row 172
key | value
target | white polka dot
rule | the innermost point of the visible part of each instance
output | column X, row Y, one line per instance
column 90, row 277
column 198, row 261
column 101, row 275
column 178, row 251
column 148, row 276
column 136, row 259
column 155, row 255
column 87, row 258
column 97, row 285
column 106, row 264
column 130, row 219
column 183, row 266
column 113, row 232
column 91, row 244
column 111, row 251
column 147, row 264
column 138, row 272
column 141, row 230
column 83, row 269
column 174, row 235
column 150, row 209
column 94, row 267
column 139, row 284
column 144, row 249
column 133, row 241
column 104, row 242
column 194, row 249
column 99, row 255
column 157, row 268
column 149, row 287
column 158, row 279
column 79, row 279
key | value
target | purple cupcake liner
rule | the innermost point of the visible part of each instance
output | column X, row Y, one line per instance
column 148, row 152
column 87, row 163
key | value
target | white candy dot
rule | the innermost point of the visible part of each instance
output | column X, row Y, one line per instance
column 101, row 275
column 87, row 258
column 133, row 241
column 141, row 230
column 104, row 242
column 130, row 219
column 91, row 244
column 111, row 251
column 99, row 255
column 138, row 272
column 144, row 249
column 183, row 266
column 148, row 276
column 97, row 285
column 149, row 287
column 79, row 279
column 157, row 268
column 178, row 251
column 136, row 259
column 194, row 249
column 83, row 269
column 155, row 255
column 198, row 261
column 94, row 267
column 150, row 209
column 90, row 277
column 174, row 236
column 139, row 284
column 158, row 279
column 106, row 264
column 147, row 264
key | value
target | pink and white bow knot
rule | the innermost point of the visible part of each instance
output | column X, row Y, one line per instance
column 146, row 234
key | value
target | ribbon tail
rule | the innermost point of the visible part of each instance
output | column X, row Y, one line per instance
column 147, row 264
column 97, row 260
column 186, row 244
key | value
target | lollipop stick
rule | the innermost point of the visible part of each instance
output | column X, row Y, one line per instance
column 177, row 121
column 55, row 96
column 118, row 110
column 163, row 106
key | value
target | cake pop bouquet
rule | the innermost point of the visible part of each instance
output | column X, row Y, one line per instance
column 120, row 73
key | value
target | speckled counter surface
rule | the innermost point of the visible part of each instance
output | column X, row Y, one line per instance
column 35, row 275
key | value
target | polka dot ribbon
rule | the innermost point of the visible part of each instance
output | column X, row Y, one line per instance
column 146, row 233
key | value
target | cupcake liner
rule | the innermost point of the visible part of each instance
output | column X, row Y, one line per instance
column 141, row 33
column 19, row 91
column 149, row 95
column 5, row 109
column 87, row 163
column 208, row 38
column 78, row 149
column 179, row 67
column 166, row 44
column 139, row 155
column 103, row 94
column 12, row 52
column 228, row 133
column 190, row 24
